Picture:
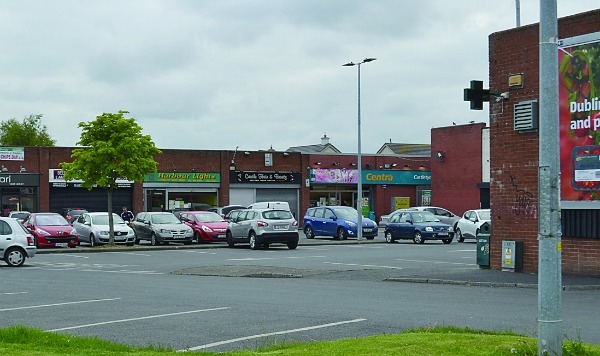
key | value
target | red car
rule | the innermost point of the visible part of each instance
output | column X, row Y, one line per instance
column 51, row 230
column 207, row 225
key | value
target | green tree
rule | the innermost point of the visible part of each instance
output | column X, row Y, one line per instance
column 30, row 132
column 112, row 147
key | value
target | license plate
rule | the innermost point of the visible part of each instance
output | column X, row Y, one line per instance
column 280, row 227
column 61, row 244
column 367, row 230
column 221, row 236
column 443, row 234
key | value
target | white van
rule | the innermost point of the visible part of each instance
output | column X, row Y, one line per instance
column 282, row 205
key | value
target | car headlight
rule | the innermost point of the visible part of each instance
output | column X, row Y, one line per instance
column 450, row 229
column 206, row 228
column 350, row 223
column 429, row 229
column 104, row 233
column 42, row 232
column 164, row 231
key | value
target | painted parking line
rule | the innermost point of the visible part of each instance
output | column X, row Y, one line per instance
column 273, row 258
column 132, row 253
column 59, row 304
column 121, row 271
column 283, row 332
column 359, row 265
column 13, row 293
column 201, row 252
column 135, row 319
column 438, row 262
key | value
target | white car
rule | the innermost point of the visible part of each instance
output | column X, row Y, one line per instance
column 95, row 229
column 16, row 242
column 468, row 226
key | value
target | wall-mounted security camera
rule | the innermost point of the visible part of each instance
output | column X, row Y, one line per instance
column 505, row 95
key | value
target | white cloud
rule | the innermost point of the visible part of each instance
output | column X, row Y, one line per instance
column 253, row 74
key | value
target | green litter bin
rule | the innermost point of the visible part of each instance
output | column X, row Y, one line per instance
column 483, row 245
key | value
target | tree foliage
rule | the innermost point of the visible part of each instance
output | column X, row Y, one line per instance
column 112, row 147
column 30, row 132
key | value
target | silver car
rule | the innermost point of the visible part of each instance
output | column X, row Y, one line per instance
column 445, row 216
column 161, row 227
column 262, row 227
column 94, row 228
column 16, row 242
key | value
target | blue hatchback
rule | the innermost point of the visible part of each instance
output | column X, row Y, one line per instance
column 337, row 221
column 417, row 226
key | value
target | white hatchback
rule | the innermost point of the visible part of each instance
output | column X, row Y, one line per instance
column 16, row 242
column 469, row 224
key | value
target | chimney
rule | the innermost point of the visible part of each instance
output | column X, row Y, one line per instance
column 324, row 139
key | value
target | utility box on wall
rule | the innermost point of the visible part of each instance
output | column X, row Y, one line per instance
column 512, row 256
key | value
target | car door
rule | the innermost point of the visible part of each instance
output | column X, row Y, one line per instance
column 141, row 229
column 405, row 226
column 82, row 229
column 330, row 224
column 471, row 224
column 393, row 225
column 235, row 225
column 317, row 221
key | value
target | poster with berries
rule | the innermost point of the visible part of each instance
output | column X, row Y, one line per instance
column 579, row 91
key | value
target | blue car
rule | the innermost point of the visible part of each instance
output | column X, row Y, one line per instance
column 337, row 221
column 417, row 226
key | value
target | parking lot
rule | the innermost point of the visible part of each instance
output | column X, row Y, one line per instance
column 210, row 297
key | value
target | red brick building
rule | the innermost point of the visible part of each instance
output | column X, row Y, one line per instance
column 514, row 155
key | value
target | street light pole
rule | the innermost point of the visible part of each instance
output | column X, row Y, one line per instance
column 359, row 232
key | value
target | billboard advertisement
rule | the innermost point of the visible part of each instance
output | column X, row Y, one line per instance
column 579, row 118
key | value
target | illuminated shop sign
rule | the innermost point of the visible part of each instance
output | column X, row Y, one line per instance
column 182, row 177
column 349, row 176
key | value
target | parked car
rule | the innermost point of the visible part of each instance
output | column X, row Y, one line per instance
column 337, row 221
column 417, row 226
column 283, row 205
column 207, row 225
column 16, row 242
column 445, row 216
column 161, row 228
column 224, row 210
column 94, row 228
column 383, row 219
column 72, row 214
column 469, row 224
column 232, row 214
column 51, row 230
column 19, row 215
column 260, row 228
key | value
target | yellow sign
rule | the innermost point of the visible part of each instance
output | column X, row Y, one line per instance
column 401, row 203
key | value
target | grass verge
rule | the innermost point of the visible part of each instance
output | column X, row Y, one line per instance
column 24, row 341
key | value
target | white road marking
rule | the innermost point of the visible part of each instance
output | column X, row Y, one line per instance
column 58, row 304
column 461, row 251
column 121, row 271
column 13, row 293
column 132, row 253
column 315, row 248
column 71, row 255
column 438, row 262
column 283, row 332
column 356, row 264
column 204, row 252
column 273, row 258
column 140, row 318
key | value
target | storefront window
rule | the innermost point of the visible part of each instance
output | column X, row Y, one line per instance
column 19, row 199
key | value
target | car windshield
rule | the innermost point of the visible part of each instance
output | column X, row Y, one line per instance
column 103, row 219
column 424, row 216
column 484, row 215
column 277, row 215
column 164, row 219
column 19, row 215
column 209, row 217
column 346, row 213
column 51, row 220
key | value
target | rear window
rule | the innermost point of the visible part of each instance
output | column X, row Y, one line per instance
column 277, row 215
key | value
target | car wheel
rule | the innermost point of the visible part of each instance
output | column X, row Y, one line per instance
column 388, row 237
column 92, row 240
column 418, row 238
column 197, row 237
column 459, row 235
column 341, row 234
column 153, row 240
column 14, row 257
column 447, row 241
column 292, row 245
column 229, row 239
column 308, row 231
column 253, row 243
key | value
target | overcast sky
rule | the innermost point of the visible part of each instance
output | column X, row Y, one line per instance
column 214, row 75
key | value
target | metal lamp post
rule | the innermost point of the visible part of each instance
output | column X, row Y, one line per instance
column 359, row 155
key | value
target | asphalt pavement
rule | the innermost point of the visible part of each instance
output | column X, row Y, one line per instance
column 481, row 276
